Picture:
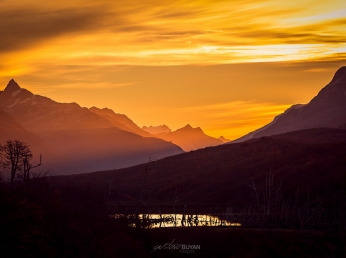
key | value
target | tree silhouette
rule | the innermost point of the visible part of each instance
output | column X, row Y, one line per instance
column 16, row 156
column 27, row 166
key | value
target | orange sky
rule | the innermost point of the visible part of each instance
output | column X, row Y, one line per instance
column 226, row 66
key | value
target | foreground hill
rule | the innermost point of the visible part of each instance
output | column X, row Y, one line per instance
column 78, row 139
column 311, row 160
column 327, row 109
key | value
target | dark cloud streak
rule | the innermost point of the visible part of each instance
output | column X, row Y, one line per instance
column 22, row 28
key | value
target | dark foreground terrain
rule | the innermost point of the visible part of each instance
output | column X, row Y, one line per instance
column 36, row 221
column 288, row 192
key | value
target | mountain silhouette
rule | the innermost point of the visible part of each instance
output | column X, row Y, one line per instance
column 327, row 109
column 153, row 130
column 79, row 140
column 120, row 121
column 189, row 138
column 37, row 113
column 223, row 139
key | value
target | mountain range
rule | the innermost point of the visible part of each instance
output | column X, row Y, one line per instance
column 153, row 130
column 77, row 139
column 188, row 138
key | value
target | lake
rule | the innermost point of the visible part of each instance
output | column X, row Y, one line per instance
column 178, row 220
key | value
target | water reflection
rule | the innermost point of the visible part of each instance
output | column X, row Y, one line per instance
column 180, row 220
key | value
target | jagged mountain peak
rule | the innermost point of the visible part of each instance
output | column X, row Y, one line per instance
column 189, row 138
column 151, row 126
column 154, row 130
column 223, row 139
column 38, row 113
column 12, row 86
column 13, row 94
column 340, row 75
column 186, row 128
column 189, row 129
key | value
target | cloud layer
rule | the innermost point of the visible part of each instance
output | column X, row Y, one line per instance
column 179, row 32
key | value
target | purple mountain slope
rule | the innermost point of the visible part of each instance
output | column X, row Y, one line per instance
column 119, row 120
column 37, row 113
column 327, row 109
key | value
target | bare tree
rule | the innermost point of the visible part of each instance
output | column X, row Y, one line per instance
column 16, row 156
column 26, row 166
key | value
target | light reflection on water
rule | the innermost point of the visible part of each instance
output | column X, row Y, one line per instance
column 181, row 220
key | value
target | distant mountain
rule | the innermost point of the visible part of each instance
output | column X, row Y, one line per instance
column 327, row 109
column 189, row 138
column 120, row 121
column 80, row 140
column 223, row 139
column 153, row 130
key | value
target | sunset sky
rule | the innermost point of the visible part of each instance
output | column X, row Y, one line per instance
column 226, row 66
